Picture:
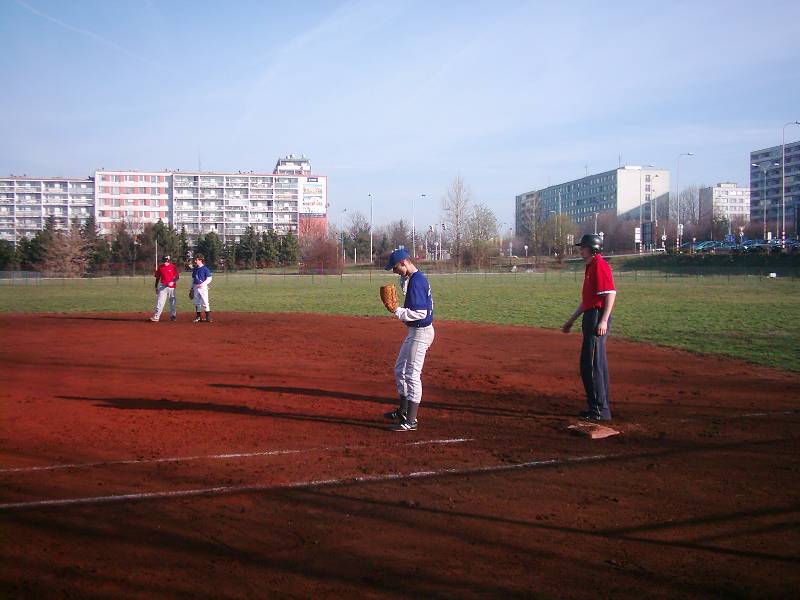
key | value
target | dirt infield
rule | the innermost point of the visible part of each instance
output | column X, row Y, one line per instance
column 248, row 458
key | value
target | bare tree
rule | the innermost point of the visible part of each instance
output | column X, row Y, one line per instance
column 456, row 206
column 687, row 208
column 481, row 231
column 398, row 234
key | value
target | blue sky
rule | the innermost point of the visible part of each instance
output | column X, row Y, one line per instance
column 397, row 98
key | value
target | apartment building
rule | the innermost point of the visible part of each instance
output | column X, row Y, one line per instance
column 133, row 197
column 26, row 204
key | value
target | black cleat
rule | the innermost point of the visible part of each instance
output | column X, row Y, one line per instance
column 404, row 425
column 395, row 415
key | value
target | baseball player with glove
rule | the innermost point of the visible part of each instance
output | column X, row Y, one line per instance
column 166, row 278
column 201, row 279
column 417, row 314
column 597, row 302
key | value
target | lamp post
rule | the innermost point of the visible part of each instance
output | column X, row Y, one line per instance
column 764, row 170
column 783, row 183
column 414, row 229
column 641, row 220
column 371, row 257
column 341, row 231
column 678, row 185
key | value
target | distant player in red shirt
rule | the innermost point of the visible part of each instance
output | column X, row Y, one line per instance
column 166, row 278
column 596, row 305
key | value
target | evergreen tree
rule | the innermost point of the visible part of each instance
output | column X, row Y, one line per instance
column 183, row 245
column 210, row 246
column 247, row 248
column 270, row 245
column 123, row 248
column 8, row 256
column 289, row 250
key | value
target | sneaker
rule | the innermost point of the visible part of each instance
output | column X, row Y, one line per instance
column 154, row 320
column 592, row 418
column 196, row 320
column 404, row 426
column 395, row 415
column 173, row 318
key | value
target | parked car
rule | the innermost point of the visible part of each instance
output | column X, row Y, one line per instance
column 706, row 247
column 753, row 246
column 725, row 248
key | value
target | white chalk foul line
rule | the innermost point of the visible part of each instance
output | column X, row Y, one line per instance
column 216, row 456
column 234, row 489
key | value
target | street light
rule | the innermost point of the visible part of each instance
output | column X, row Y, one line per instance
column 341, row 230
column 783, row 184
column 371, row 257
column 414, row 229
column 678, row 185
column 640, row 207
column 764, row 192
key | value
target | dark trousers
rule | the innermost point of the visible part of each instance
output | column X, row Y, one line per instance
column 594, row 365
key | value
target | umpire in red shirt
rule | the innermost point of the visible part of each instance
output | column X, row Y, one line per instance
column 597, row 302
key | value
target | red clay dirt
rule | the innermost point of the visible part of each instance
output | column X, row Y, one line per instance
column 698, row 497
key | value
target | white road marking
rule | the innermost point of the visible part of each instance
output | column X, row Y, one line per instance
column 233, row 489
column 216, row 456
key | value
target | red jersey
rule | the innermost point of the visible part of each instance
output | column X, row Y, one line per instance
column 167, row 275
column 597, row 282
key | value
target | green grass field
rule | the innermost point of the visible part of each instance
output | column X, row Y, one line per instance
column 750, row 318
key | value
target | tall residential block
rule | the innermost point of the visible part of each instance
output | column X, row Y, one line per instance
column 26, row 204
column 766, row 201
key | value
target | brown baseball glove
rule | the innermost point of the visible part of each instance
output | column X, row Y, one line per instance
column 389, row 297
column 191, row 293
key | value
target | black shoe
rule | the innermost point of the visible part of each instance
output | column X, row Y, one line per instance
column 197, row 320
column 404, row 425
column 173, row 318
column 395, row 415
column 592, row 418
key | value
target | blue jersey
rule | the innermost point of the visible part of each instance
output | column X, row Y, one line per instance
column 419, row 297
column 200, row 274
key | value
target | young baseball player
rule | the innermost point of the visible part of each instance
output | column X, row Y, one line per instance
column 201, row 279
column 417, row 315
column 166, row 278
column 596, row 305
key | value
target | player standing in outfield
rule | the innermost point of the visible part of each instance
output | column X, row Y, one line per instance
column 166, row 278
column 596, row 305
column 201, row 279
column 417, row 314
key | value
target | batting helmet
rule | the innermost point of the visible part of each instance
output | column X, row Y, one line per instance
column 592, row 241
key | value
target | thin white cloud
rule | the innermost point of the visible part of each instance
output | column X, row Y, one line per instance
column 88, row 34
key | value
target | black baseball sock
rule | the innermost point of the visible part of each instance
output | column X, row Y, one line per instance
column 403, row 407
column 197, row 314
column 413, row 407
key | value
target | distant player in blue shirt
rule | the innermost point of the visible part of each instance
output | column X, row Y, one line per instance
column 417, row 314
column 201, row 278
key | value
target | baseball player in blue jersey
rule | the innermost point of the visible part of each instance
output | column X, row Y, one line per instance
column 417, row 315
column 201, row 278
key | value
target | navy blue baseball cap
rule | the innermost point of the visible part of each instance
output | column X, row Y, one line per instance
column 396, row 257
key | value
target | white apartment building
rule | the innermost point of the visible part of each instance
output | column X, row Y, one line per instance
column 134, row 197
column 628, row 191
column 290, row 199
column 724, row 200
column 26, row 203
